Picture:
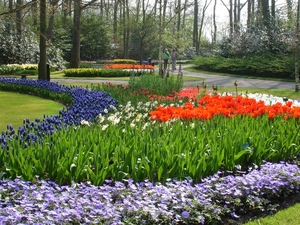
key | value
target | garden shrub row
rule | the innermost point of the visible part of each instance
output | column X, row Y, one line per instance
column 261, row 66
column 31, row 69
column 95, row 72
column 124, row 61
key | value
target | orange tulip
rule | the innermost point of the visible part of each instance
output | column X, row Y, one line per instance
column 228, row 106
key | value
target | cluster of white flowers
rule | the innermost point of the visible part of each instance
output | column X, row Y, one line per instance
column 128, row 114
column 271, row 100
column 267, row 99
column 84, row 122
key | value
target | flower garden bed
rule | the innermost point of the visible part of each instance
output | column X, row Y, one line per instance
column 100, row 162
column 145, row 68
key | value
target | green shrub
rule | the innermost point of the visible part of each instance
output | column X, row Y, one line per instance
column 279, row 66
column 5, row 69
column 85, row 65
column 124, row 61
column 30, row 72
column 31, row 69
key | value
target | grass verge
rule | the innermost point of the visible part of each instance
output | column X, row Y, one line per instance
column 289, row 216
column 17, row 107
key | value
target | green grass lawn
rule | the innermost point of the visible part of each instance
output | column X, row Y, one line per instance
column 289, row 216
column 16, row 107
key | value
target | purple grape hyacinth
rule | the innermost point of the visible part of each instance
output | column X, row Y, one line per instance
column 86, row 105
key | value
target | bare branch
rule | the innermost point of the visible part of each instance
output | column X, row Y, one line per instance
column 18, row 8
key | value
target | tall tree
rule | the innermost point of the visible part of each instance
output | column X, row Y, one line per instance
column 178, row 15
column 160, row 30
column 66, row 9
column 52, row 10
column 10, row 6
column 75, row 50
column 214, row 39
column 289, row 5
column 230, row 12
column 250, row 12
column 204, row 8
column 126, row 28
column 184, row 14
column 273, row 6
column 195, row 26
column 115, row 22
column 19, row 17
column 19, row 21
column 234, row 10
column 265, row 8
column 43, row 53
column 34, row 9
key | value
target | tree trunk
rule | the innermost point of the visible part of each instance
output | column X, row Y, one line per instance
column 34, row 10
column 266, row 13
column 126, row 30
column 164, row 12
column 160, row 38
column 53, row 9
column 289, row 5
column 19, row 15
column 201, row 25
column 195, row 27
column 115, row 22
column 214, row 24
column 19, row 18
column 249, row 14
column 184, row 14
column 273, row 6
column 75, row 51
column 42, row 68
column 10, row 6
column 231, row 18
column 178, row 10
column 235, row 19
column 66, row 4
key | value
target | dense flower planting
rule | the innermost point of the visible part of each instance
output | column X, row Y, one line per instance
column 129, row 66
column 212, row 201
column 86, row 104
column 209, row 106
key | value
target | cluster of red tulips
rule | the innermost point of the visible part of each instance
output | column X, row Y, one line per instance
column 209, row 106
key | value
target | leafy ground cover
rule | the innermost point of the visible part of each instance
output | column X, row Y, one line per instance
column 114, row 164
